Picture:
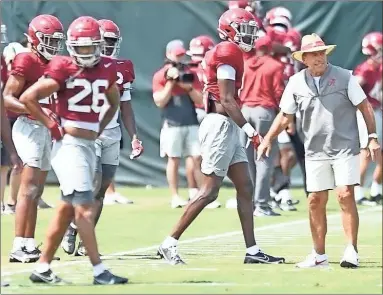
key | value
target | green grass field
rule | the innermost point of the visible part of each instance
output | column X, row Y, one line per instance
column 213, row 249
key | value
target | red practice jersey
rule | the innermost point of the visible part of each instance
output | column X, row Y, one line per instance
column 224, row 53
column 125, row 74
column 31, row 67
column 372, row 86
column 82, row 90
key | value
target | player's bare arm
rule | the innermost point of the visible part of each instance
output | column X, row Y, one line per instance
column 162, row 97
column 113, row 97
column 6, row 137
column 30, row 98
column 194, row 94
column 127, row 116
column 227, row 93
column 12, row 90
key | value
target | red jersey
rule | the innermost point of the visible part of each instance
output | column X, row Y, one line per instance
column 372, row 77
column 82, row 90
column 125, row 74
column 4, row 73
column 224, row 53
column 31, row 67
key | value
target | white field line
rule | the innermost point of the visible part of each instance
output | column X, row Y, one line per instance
column 188, row 241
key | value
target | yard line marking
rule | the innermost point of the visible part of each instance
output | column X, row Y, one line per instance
column 189, row 241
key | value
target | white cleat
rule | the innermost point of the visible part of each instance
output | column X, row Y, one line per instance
column 231, row 203
column 350, row 258
column 178, row 202
column 109, row 200
column 314, row 260
column 118, row 198
column 213, row 205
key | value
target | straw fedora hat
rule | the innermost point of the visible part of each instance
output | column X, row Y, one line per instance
column 312, row 43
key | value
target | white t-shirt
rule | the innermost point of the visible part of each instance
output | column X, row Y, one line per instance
column 225, row 72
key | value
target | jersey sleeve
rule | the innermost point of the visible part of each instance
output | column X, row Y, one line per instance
column 22, row 65
column 56, row 70
column 112, row 74
column 355, row 92
column 228, row 54
column 288, row 104
column 159, row 81
column 131, row 76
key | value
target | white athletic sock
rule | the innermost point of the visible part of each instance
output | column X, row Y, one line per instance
column 73, row 225
column 30, row 244
column 253, row 250
column 359, row 192
column 376, row 189
column 192, row 193
column 42, row 267
column 18, row 243
column 169, row 242
column 98, row 269
column 284, row 195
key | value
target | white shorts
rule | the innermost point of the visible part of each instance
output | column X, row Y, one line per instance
column 108, row 147
column 201, row 114
column 33, row 143
column 362, row 127
column 283, row 137
column 74, row 162
column 179, row 141
column 221, row 145
column 324, row 175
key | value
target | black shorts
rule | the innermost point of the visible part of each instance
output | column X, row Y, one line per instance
column 5, row 159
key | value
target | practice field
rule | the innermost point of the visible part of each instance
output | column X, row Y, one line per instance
column 213, row 249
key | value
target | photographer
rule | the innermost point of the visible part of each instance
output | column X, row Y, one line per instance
column 175, row 91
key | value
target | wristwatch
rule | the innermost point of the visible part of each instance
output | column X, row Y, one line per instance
column 373, row 135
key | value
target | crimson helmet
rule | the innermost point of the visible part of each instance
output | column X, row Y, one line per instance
column 112, row 37
column 85, row 32
column 238, row 26
column 199, row 46
column 46, row 35
column 372, row 45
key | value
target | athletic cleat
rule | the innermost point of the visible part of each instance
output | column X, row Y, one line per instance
column 178, row 202
column 47, row 277
column 118, row 198
column 377, row 199
column 107, row 278
column 68, row 243
column 213, row 205
column 287, row 206
column 21, row 256
column 261, row 257
column 366, row 202
column 171, row 255
column 81, row 251
column 314, row 260
column 36, row 253
column 265, row 211
column 9, row 209
column 350, row 258
column 43, row 205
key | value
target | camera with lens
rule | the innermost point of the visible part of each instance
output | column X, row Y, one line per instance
column 183, row 75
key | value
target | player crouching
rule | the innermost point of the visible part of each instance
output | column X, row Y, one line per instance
column 82, row 82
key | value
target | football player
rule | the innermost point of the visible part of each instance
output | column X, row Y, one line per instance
column 221, row 151
column 32, row 139
column 108, row 144
column 369, row 74
column 83, row 83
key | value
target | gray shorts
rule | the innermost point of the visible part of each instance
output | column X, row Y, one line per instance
column 179, row 141
column 220, row 144
column 74, row 162
column 108, row 148
column 33, row 143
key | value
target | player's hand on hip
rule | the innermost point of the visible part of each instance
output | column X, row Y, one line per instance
column 374, row 149
column 137, row 149
column 264, row 149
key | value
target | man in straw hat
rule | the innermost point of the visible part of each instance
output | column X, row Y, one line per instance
column 327, row 98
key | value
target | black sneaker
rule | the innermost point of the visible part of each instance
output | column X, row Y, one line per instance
column 287, row 206
column 47, row 277
column 265, row 211
column 36, row 253
column 377, row 199
column 170, row 254
column 366, row 202
column 261, row 257
column 107, row 278
column 81, row 251
column 68, row 243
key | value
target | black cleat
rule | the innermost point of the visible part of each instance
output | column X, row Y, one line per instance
column 107, row 278
column 81, row 251
column 261, row 257
column 170, row 254
column 37, row 253
column 47, row 277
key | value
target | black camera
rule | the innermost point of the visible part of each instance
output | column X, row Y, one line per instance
column 184, row 76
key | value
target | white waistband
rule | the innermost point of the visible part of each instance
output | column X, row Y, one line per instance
column 80, row 124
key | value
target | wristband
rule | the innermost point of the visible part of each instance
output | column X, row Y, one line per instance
column 249, row 130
